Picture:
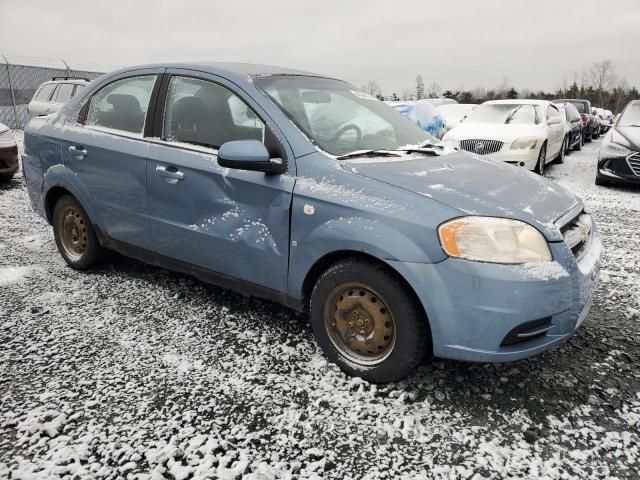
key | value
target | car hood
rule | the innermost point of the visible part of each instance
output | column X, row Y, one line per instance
column 490, row 131
column 475, row 186
column 631, row 135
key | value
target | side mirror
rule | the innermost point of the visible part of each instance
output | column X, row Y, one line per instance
column 248, row 155
column 554, row 121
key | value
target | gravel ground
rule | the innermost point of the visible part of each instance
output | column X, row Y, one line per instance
column 131, row 371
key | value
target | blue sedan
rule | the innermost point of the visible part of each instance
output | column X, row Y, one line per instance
column 302, row 189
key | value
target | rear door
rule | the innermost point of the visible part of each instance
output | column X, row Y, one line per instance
column 107, row 151
column 556, row 132
column 233, row 222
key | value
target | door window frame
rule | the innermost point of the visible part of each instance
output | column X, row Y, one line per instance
column 161, row 103
column 149, row 115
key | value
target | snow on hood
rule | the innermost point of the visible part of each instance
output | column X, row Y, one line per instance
column 476, row 186
column 491, row 131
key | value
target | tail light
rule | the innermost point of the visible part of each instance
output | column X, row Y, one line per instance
column 584, row 118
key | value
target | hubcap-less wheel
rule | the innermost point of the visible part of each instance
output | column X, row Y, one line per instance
column 359, row 324
column 73, row 233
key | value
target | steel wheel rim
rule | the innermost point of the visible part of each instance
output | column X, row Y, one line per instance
column 359, row 324
column 73, row 233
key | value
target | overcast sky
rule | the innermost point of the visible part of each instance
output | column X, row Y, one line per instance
column 456, row 43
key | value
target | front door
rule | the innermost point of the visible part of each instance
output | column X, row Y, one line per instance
column 233, row 222
column 108, row 154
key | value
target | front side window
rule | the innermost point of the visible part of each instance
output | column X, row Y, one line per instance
column 339, row 118
column 122, row 105
column 63, row 95
column 206, row 114
column 553, row 112
column 45, row 91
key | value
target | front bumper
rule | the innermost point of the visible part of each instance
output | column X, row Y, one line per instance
column 473, row 307
column 617, row 169
column 8, row 160
column 527, row 158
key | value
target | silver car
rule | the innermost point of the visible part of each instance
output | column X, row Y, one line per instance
column 51, row 96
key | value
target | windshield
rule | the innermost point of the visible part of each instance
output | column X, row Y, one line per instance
column 503, row 113
column 580, row 106
column 631, row 116
column 337, row 117
column 454, row 110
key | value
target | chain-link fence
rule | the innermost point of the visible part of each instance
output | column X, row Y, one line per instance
column 20, row 77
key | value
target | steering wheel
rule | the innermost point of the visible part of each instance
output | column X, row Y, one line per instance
column 345, row 129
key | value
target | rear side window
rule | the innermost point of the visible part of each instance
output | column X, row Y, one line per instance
column 122, row 105
column 63, row 95
column 45, row 92
column 206, row 114
column 77, row 90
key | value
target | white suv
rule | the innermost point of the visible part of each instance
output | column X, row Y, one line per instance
column 51, row 96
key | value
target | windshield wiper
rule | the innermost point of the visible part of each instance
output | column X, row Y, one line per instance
column 369, row 153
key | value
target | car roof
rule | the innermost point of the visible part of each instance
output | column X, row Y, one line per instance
column 230, row 69
column 517, row 101
column 77, row 81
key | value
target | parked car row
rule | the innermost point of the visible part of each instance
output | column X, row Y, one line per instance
column 301, row 189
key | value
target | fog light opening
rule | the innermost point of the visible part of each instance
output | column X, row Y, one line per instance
column 521, row 164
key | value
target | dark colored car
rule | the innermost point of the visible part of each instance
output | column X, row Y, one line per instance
column 573, row 126
column 590, row 124
column 619, row 157
column 8, row 154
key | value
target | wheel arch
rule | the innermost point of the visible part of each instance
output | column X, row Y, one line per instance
column 331, row 258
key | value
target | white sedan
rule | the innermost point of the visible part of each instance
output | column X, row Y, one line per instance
column 527, row 133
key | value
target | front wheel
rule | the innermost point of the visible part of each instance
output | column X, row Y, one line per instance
column 6, row 178
column 368, row 322
column 74, row 234
column 578, row 145
column 542, row 159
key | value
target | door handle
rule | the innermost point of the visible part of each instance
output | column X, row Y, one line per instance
column 169, row 172
column 78, row 152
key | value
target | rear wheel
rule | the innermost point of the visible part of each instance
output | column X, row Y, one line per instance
column 5, row 178
column 542, row 158
column 563, row 150
column 578, row 146
column 596, row 133
column 367, row 321
column 74, row 234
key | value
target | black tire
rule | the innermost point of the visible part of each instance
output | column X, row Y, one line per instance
column 542, row 156
column 6, row 178
column 578, row 146
column 602, row 182
column 587, row 138
column 74, row 234
column 567, row 145
column 596, row 134
column 563, row 151
column 411, row 338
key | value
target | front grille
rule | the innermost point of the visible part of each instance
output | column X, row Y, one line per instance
column 634, row 163
column 481, row 147
column 577, row 233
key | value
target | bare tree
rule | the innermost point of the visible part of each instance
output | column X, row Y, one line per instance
column 372, row 88
column 434, row 90
column 419, row 87
column 603, row 78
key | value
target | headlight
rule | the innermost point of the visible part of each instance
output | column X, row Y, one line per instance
column 496, row 240
column 525, row 143
column 609, row 149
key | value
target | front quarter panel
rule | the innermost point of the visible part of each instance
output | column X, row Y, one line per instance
column 336, row 210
